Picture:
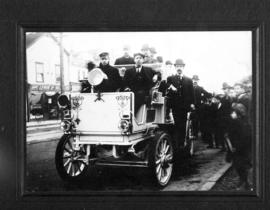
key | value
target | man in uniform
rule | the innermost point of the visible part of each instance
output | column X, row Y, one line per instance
column 112, row 80
column 140, row 80
column 200, row 97
column 181, row 97
column 126, row 58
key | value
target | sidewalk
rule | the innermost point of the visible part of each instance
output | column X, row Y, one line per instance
column 38, row 123
column 208, row 166
column 34, row 138
column 46, row 130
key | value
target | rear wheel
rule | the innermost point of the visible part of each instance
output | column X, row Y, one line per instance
column 161, row 158
column 189, row 142
column 70, row 162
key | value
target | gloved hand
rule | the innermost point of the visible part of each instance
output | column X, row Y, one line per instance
column 172, row 88
column 127, row 89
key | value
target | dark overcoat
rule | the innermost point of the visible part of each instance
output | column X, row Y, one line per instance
column 200, row 95
column 184, row 96
column 113, row 82
column 139, row 81
column 124, row 60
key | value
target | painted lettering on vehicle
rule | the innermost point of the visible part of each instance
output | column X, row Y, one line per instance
column 122, row 100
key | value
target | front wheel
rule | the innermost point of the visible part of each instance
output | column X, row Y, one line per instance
column 70, row 162
column 161, row 158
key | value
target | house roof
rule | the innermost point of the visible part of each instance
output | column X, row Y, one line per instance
column 34, row 37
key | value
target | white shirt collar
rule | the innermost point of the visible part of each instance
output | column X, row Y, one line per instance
column 140, row 68
column 181, row 76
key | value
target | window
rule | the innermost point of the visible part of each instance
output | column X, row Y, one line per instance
column 57, row 73
column 39, row 72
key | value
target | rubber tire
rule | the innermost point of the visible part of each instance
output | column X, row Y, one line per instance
column 151, row 157
column 60, row 166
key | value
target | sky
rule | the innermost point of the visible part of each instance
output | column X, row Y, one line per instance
column 216, row 57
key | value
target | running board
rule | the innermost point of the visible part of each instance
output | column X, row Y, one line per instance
column 142, row 164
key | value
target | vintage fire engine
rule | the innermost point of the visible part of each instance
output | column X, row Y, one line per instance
column 101, row 129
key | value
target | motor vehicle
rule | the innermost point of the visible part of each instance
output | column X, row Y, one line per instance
column 101, row 129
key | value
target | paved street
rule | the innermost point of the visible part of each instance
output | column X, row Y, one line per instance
column 198, row 173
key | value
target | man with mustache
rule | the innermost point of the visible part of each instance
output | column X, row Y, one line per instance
column 181, row 99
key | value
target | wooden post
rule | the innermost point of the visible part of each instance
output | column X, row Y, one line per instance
column 62, row 74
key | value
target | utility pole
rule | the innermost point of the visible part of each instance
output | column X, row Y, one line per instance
column 62, row 74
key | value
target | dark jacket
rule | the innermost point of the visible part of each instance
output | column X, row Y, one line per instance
column 123, row 60
column 113, row 82
column 226, row 108
column 208, row 117
column 184, row 96
column 240, row 134
column 142, row 81
column 200, row 95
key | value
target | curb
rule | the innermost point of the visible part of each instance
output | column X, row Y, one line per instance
column 44, row 127
column 213, row 179
column 42, row 123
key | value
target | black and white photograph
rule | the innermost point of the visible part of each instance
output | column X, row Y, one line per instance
column 139, row 111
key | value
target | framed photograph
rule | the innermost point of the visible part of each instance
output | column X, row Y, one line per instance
column 145, row 109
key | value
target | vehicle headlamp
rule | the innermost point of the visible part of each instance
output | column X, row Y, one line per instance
column 65, row 125
column 63, row 101
column 124, row 125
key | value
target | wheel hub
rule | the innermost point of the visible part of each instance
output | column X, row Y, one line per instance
column 163, row 161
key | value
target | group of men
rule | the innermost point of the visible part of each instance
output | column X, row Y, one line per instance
column 218, row 117
column 226, row 123
column 183, row 94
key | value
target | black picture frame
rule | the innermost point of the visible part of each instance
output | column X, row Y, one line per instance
column 22, row 16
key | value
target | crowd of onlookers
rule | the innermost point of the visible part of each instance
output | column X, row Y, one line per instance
column 221, row 120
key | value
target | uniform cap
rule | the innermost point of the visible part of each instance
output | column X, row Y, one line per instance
column 103, row 54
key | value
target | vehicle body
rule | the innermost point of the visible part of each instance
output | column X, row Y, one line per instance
column 101, row 129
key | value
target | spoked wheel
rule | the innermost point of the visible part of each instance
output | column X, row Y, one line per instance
column 70, row 162
column 189, row 142
column 161, row 158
